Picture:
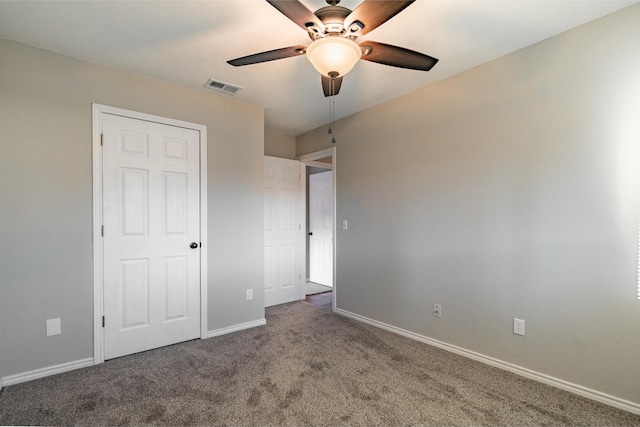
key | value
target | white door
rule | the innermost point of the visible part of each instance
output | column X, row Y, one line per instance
column 151, row 215
column 321, row 228
column 282, row 231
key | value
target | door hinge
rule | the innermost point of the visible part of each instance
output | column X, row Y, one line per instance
column 102, row 139
column 102, row 231
column 103, row 321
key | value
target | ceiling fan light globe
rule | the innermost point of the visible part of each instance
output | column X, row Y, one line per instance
column 333, row 54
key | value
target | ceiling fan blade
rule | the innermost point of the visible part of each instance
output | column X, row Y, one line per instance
column 371, row 14
column 299, row 14
column 270, row 55
column 396, row 56
column 331, row 86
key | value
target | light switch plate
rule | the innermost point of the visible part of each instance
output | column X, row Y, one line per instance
column 518, row 326
column 53, row 327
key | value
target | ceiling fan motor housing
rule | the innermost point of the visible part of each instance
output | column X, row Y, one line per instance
column 333, row 19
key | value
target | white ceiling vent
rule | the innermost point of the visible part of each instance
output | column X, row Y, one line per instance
column 223, row 87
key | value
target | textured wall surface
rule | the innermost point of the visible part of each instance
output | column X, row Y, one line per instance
column 277, row 144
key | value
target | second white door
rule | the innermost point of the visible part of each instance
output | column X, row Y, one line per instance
column 321, row 228
column 283, row 259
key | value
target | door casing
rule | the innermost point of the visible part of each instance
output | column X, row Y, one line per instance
column 98, row 255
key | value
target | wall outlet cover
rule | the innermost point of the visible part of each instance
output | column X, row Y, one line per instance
column 437, row 311
column 53, row 327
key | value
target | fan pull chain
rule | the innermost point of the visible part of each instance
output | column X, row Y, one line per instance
column 333, row 119
column 332, row 108
column 330, row 131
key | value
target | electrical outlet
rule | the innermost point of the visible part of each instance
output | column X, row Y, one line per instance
column 518, row 326
column 249, row 294
column 53, row 327
column 437, row 311
column 345, row 224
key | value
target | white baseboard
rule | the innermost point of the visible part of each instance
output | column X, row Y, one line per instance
column 45, row 372
column 235, row 328
column 543, row 378
column 83, row 363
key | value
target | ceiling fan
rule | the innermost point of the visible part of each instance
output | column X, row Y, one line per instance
column 333, row 30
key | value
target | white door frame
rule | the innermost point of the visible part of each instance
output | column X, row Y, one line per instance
column 311, row 159
column 98, row 255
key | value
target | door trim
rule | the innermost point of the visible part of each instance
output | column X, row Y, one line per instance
column 98, row 255
column 311, row 160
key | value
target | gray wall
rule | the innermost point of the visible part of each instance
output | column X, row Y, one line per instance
column 46, row 199
column 510, row 190
column 278, row 144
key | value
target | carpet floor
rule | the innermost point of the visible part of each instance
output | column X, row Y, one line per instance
column 316, row 288
column 307, row 366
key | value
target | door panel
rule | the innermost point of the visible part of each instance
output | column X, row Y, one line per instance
column 135, row 292
column 321, row 228
column 282, row 231
column 134, row 208
column 151, row 214
column 174, row 202
column 176, row 287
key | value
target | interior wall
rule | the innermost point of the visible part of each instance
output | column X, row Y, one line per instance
column 278, row 144
column 46, row 199
column 510, row 190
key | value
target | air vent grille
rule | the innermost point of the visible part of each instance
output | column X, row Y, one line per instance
column 223, row 87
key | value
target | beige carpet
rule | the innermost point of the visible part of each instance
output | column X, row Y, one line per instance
column 316, row 288
column 307, row 366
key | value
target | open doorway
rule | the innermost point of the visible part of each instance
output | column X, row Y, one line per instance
column 320, row 222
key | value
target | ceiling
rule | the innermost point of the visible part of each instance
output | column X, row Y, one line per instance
column 189, row 42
